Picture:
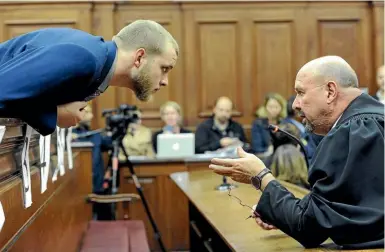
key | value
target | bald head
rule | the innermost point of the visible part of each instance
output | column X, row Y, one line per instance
column 224, row 101
column 331, row 68
column 222, row 109
column 324, row 87
column 147, row 34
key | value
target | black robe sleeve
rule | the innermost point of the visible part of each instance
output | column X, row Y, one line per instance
column 35, row 81
column 346, row 202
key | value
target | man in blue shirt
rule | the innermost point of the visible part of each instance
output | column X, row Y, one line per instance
column 46, row 76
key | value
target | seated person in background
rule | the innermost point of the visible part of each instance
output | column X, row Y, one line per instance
column 288, row 162
column 380, row 95
column 309, row 139
column 272, row 112
column 219, row 131
column 137, row 141
column 171, row 114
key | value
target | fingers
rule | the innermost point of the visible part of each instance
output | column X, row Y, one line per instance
column 264, row 225
column 241, row 152
column 221, row 170
column 223, row 161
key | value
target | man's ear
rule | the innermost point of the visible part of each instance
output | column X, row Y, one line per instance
column 139, row 57
column 331, row 88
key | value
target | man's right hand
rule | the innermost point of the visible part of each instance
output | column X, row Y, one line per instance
column 70, row 114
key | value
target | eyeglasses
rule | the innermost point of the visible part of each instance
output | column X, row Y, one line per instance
column 240, row 202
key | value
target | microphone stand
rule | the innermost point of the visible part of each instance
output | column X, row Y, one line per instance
column 140, row 192
column 225, row 186
column 275, row 129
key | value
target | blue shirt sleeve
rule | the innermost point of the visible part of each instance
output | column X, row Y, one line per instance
column 35, row 81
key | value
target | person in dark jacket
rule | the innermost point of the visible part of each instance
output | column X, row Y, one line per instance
column 346, row 177
column 171, row 114
column 219, row 131
column 54, row 71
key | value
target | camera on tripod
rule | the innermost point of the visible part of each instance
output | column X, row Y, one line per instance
column 118, row 120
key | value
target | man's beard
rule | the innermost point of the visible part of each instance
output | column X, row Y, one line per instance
column 142, row 83
column 309, row 127
column 317, row 124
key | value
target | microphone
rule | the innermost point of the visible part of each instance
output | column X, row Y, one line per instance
column 275, row 129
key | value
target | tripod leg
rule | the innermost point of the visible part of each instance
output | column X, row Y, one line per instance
column 141, row 194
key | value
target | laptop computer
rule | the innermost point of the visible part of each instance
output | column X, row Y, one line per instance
column 176, row 145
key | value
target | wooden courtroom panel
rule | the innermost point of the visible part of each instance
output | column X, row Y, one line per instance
column 343, row 29
column 378, row 17
column 276, row 49
column 227, row 218
column 62, row 214
column 103, row 24
column 16, row 19
column 57, row 218
column 169, row 16
column 168, row 205
column 215, row 59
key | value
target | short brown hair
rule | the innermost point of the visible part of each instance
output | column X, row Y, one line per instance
column 146, row 34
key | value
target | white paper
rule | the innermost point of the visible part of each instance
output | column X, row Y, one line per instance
column 69, row 148
column 2, row 131
column 59, row 153
column 45, row 146
column 26, row 172
column 63, row 142
column 2, row 216
column 60, row 150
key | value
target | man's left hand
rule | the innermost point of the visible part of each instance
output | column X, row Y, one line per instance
column 241, row 169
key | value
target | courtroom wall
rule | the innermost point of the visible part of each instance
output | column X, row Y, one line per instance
column 241, row 49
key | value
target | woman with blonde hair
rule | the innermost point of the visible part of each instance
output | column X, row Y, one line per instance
column 289, row 164
column 273, row 111
column 171, row 114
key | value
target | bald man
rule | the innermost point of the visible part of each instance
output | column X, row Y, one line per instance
column 346, row 175
column 219, row 131
column 48, row 75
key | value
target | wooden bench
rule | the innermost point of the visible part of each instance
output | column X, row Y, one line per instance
column 60, row 219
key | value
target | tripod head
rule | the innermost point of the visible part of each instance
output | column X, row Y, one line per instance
column 118, row 120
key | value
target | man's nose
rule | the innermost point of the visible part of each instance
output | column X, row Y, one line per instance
column 295, row 105
column 164, row 81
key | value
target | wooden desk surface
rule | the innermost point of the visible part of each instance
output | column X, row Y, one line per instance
column 227, row 216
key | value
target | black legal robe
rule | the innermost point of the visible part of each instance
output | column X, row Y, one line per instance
column 346, row 202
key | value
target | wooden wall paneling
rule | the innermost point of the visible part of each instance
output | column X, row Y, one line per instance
column 277, row 34
column 342, row 29
column 169, row 16
column 103, row 25
column 378, row 35
column 57, row 218
column 214, row 59
column 17, row 19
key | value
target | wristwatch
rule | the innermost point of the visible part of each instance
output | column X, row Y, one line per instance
column 256, row 181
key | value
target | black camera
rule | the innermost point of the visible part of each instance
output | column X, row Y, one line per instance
column 118, row 120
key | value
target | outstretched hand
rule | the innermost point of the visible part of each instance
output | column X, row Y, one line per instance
column 241, row 169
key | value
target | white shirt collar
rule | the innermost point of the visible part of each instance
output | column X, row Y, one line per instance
column 337, row 121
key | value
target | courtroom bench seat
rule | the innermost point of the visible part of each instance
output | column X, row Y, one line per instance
column 114, row 236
